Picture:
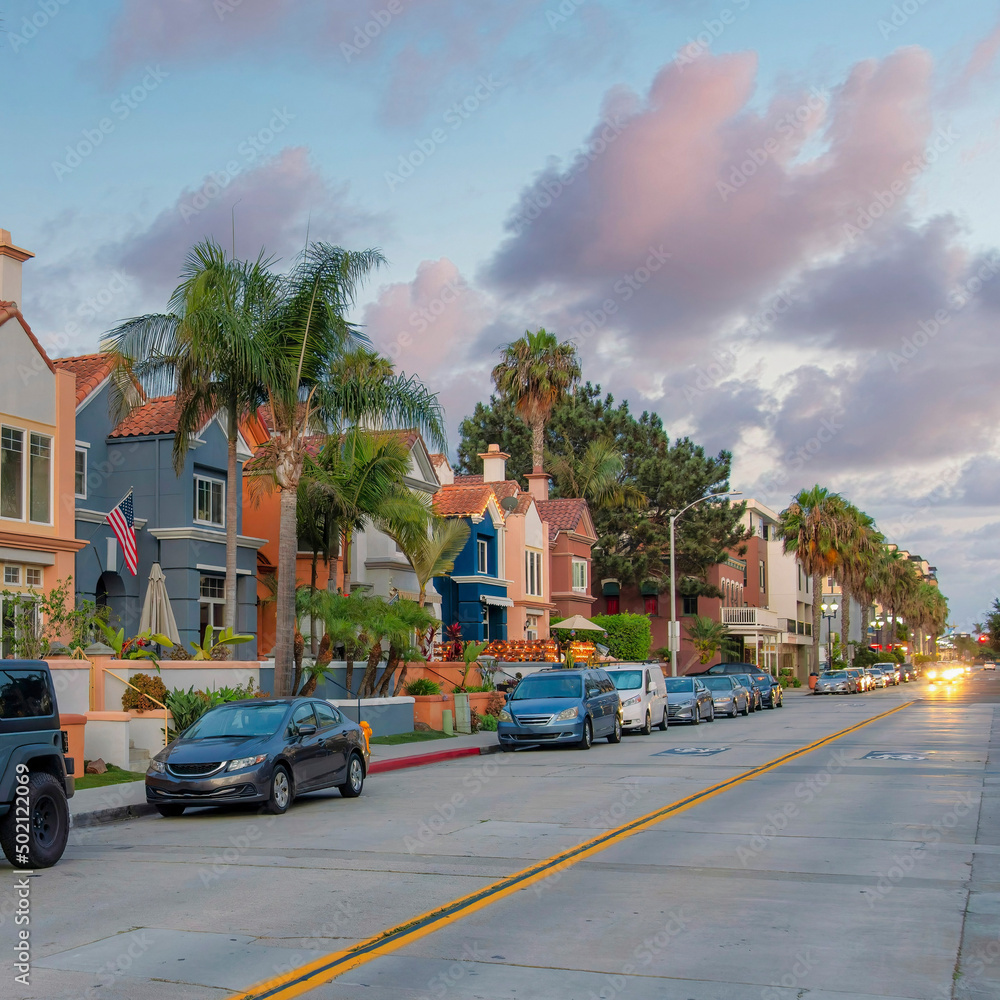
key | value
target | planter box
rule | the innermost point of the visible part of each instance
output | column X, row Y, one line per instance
column 427, row 708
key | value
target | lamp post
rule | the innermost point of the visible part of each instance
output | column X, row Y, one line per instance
column 829, row 608
column 675, row 639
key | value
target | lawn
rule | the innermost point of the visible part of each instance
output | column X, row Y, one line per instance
column 113, row 776
column 391, row 741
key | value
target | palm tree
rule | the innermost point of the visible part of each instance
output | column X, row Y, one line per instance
column 707, row 636
column 415, row 620
column 862, row 544
column 814, row 527
column 208, row 350
column 597, row 476
column 534, row 374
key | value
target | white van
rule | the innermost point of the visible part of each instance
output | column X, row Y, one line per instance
column 643, row 694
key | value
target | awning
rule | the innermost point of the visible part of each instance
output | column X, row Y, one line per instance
column 649, row 589
column 500, row 602
column 611, row 588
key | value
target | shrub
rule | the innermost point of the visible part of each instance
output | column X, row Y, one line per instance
column 422, row 686
column 494, row 704
column 136, row 701
column 628, row 636
column 187, row 707
column 488, row 723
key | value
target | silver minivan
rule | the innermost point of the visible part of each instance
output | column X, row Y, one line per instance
column 644, row 696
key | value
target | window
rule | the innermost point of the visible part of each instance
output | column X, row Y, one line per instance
column 25, row 694
column 40, row 479
column 482, row 556
column 326, row 714
column 533, row 573
column 210, row 501
column 614, row 605
column 763, row 576
column 303, row 716
column 651, row 604
column 81, row 473
column 33, row 576
column 12, row 575
column 11, row 473
column 531, row 627
column 579, row 574
column 689, row 605
column 213, row 603
column 765, row 532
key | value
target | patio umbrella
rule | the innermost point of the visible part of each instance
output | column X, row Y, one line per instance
column 157, row 615
column 579, row 623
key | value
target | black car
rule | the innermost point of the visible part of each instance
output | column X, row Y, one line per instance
column 770, row 690
column 753, row 686
column 259, row 750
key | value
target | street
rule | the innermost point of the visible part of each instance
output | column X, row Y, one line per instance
column 868, row 866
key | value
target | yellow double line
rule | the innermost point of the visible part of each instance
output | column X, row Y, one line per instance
column 306, row 977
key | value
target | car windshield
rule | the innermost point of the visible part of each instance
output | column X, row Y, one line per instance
column 834, row 675
column 548, row 687
column 743, row 679
column 677, row 685
column 625, row 680
column 718, row 683
column 239, row 720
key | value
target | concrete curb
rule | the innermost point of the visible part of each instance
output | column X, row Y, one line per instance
column 113, row 814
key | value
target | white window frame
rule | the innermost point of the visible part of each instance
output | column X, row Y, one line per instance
column 576, row 587
column 763, row 576
column 482, row 556
column 198, row 480
column 12, row 583
column 50, row 440
column 28, row 570
column 531, row 627
column 81, row 450
column 214, row 602
column 533, row 584
column 24, row 477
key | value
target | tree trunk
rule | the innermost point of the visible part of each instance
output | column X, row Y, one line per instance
column 233, row 489
column 284, row 632
column 865, row 608
column 345, row 551
column 349, row 673
column 390, row 670
column 368, row 681
column 845, row 628
column 537, row 444
column 313, row 640
column 817, row 618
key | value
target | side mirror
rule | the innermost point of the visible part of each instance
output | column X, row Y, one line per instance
column 306, row 729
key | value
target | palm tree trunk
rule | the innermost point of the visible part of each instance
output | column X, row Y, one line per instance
column 390, row 670
column 313, row 640
column 817, row 617
column 845, row 627
column 864, row 623
column 349, row 673
column 368, row 681
column 537, row 444
column 284, row 632
column 232, row 486
column 346, row 555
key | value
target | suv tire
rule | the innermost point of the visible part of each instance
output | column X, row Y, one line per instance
column 588, row 735
column 615, row 736
column 48, row 824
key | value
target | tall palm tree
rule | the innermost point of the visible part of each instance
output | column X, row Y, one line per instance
column 814, row 527
column 862, row 543
column 209, row 351
column 534, row 374
column 597, row 476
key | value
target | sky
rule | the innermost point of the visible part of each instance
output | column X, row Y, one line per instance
column 774, row 223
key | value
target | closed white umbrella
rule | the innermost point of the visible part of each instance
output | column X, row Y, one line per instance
column 157, row 615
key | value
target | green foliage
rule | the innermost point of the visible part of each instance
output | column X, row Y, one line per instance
column 707, row 636
column 488, row 723
column 992, row 629
column 628, row 636
column 136, row 701
column 422, row 686
column 38, row 622
column 867, row 657
column 921, row 658
column 139, row 647
column 226, row 637
column 187, row 707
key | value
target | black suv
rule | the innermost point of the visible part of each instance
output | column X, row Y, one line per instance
column 35, row 775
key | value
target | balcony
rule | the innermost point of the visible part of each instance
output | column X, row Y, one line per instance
column 748, row 620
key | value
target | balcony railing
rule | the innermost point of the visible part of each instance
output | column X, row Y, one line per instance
column 760, row 619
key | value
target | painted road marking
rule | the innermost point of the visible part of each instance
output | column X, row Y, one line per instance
column 329, row 967
column 692, row 751
column 892, row 755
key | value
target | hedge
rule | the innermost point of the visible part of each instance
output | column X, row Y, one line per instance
column 628, row 637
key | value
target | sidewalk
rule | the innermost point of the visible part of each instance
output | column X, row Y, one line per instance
column 94, row 806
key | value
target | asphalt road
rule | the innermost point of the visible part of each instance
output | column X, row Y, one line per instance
column 866, row 867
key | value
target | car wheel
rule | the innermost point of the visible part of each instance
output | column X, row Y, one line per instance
column 615, row 736
column 48, row 825
column 170, row 811
column 648, row 727
column 351, row 788
column 588, row 735
column 781, row 702
column 696, row 716
column 735, row 711
column 745, row 710
column 711, row 714
column 770, row 703
column 664, row 722
column 281, row 792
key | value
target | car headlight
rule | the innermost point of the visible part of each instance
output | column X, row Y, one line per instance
column 686, row 704
column 242, row 762
column 632, row 701
column 157, row 766
column 568, row 713
column 505, row 716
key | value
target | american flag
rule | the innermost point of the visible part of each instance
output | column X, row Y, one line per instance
column 122, row 521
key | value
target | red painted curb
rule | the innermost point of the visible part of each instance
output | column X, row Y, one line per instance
column 425, row 758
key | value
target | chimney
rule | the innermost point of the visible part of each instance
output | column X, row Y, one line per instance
column 494, row 464
column 11, row 258
column 538, row 485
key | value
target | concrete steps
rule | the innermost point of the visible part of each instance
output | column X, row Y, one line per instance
column 138, row 758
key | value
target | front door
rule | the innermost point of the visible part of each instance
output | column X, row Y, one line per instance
column 304, row 750
column 332, row 760
column 595, row 700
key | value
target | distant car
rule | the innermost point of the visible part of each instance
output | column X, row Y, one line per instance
column 771, row 692
column 860, row 678
column 756, row 699
column 729, row 697
column 891, row 669
column 989, row 666
column 835, row 682
column 644, row 696
column 906, row 673
column 880, row 678
column 561, row 706
column 688, row 700
column 259, row 750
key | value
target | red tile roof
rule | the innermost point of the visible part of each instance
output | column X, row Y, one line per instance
column 508, row 488
column 462, row 500
column 90, row 371
column 156, row 416
column 562, row 515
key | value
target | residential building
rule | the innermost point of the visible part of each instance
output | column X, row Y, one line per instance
column 180, row 519
column 571, row 538
column 37, row 434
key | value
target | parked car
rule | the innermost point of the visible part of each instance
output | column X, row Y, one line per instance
column 33, row 767
column 891, row 670
column 989, row 666
column 561, row 706
column 644, row 696
column 860, row 678
column 756, row 700
column 688, row 700
column 729, row 697
column 835, row 682
column 733, row 667
column 880, row 678
column 771, row 692
column 259, row 750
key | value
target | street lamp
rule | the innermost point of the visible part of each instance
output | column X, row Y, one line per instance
column 675, row 639
column 829, row 608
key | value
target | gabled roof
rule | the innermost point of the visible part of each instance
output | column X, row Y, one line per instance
column 90, row 371
column 564, row 515
column 469, row 500
column 155, row 416
column 507, row 488
column 9, row 310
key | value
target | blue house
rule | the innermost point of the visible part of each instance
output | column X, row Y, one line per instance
column 474, row 594
column 179, row 519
